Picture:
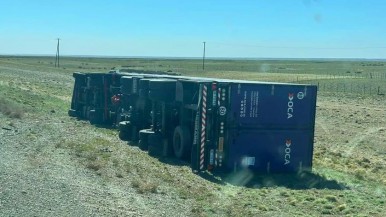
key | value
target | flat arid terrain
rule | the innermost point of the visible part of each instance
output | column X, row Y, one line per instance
column 55, row 165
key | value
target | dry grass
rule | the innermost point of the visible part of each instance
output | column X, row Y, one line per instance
column 143, row 186
column 11, row 109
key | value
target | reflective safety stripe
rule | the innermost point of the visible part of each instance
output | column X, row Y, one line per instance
column 203, row 127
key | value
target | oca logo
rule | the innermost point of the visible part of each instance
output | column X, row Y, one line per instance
column 290, row 105
column 287, row 151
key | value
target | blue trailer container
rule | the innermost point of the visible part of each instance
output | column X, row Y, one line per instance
column 266, row 127
column 215, row 124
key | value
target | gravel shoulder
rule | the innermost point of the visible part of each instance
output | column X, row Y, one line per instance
column 39, row 179
column 41, row 176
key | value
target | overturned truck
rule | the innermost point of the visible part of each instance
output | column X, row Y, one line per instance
column 215, row 124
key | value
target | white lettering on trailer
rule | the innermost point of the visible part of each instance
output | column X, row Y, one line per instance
column 215, row 159
column 290, row 106
column 220, row 150
column 249, row 104
column 287, row 151
column 243, row 105
column 254, row 104
column 211, row 159
column 214, row 98
column 196, row 125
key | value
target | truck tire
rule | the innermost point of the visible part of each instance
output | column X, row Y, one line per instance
column 143, row 138
column 154, row 144
column 125, row 132
column 134, row 135
column 126, row 85
column 182, row 143
column 72, row 113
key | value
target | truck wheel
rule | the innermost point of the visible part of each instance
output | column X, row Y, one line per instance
column 72, row 113
column 125, row 132
column 155, row 144
column 182, row 143
column 143, row 138
column 126, row 85
column 134, row 134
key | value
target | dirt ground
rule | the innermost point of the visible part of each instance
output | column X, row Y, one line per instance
column 39, row 178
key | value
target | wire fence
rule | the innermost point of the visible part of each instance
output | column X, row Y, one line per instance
column 351, row 88
column 363, row 84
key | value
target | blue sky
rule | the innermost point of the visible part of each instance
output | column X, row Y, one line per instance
column 177, row 28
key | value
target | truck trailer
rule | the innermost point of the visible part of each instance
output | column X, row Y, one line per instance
column 214, row 124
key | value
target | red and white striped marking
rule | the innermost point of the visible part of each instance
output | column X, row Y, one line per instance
column 203, row 126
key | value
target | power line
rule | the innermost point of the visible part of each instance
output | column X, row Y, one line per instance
column 297, row 47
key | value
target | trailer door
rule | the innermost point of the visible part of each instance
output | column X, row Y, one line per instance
column 270, row 150
column 274, row 106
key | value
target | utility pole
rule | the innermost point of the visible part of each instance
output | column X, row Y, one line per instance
column 57, row 54
column 203, row 58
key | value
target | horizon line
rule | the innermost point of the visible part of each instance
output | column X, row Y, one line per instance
column 193, row 58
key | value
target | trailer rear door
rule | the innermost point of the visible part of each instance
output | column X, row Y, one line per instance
column 270, row 150
column 276, row 106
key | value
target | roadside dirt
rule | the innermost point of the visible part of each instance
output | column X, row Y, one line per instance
column 351, row 135
column 39, row 176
